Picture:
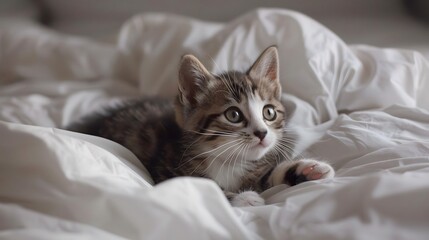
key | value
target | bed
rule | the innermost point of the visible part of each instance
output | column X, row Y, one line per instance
column 363, row 109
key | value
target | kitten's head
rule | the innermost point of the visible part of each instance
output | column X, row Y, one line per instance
column 234, row 115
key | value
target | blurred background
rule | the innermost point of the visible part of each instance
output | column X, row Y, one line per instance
column 383, row 23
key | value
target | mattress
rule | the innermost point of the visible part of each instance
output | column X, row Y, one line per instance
column 361, row 108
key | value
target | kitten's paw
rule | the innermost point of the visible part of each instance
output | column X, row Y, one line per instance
column 309, row 169
column 246, row 199
column 301, row 171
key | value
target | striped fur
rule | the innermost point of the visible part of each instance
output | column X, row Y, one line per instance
column 193, row 136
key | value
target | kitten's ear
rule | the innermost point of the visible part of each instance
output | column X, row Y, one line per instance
column 266, row 70
column 193, row 80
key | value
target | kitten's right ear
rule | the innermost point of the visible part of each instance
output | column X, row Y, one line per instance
column 265, row 71
column 193, row 80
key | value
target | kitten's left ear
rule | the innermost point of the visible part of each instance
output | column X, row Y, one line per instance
column 193, row 80
column 265, row 70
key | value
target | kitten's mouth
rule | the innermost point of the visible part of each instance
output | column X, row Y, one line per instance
column 262, row 144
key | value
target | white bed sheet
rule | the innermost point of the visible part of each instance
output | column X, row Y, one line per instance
column 363, row 109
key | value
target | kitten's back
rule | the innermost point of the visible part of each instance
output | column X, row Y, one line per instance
column 145, row 126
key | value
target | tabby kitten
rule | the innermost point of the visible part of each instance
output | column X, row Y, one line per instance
column 227, row 127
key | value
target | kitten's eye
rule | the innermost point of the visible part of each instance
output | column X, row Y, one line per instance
column 269, row 113
column 234, row 115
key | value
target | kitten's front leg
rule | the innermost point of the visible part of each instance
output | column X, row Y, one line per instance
column 244, row 199
column 292, row 173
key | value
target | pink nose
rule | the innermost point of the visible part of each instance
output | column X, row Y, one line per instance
column 260, row 134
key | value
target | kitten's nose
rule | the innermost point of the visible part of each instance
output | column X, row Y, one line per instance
column 260, row 134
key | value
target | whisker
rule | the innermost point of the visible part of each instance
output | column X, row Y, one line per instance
column 285, row 155
column 215, row 134
column 216, row 65
column 233, row 166
column 224, row 81
column 220, row 168
column 286, row 147
column 212, row 160
column 277, row 154
column 190, row 145
column 242, row 149
column 243, row 160
column 209, row 151
column 291, row 141
column 220, row 131
column 235, row 161
column 283, row 147
column 268, row 162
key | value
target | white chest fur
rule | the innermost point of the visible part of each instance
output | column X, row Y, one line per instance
column 227, row 174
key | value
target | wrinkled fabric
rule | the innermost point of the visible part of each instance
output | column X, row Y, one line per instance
column 362, row 109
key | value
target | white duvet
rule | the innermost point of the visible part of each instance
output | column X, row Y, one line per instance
column 363, row 109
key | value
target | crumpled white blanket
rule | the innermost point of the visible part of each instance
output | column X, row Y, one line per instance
column 363, row 109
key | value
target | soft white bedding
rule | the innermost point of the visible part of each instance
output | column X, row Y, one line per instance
column 363, row 109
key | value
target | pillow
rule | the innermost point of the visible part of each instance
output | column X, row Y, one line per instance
column 326, row 76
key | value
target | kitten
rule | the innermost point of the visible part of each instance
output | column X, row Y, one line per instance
column 228, row 127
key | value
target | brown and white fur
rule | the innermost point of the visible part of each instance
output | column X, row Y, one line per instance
column 228, row 127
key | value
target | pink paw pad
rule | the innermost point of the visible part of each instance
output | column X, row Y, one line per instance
column 308, row 170
column 312, row 173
